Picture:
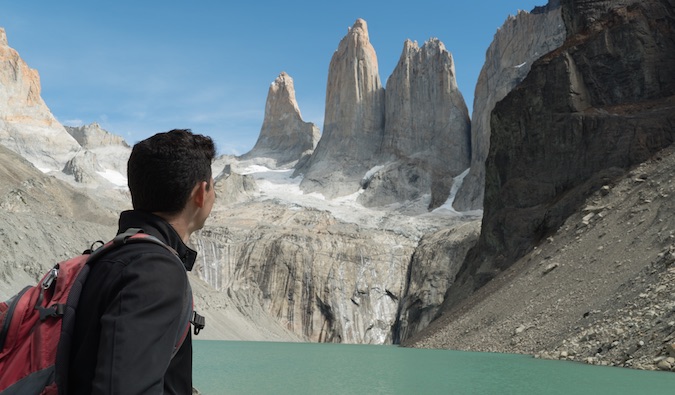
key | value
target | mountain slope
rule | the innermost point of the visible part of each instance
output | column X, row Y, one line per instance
column 593, row 291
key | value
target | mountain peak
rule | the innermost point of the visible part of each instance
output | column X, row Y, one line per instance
column 284, row 136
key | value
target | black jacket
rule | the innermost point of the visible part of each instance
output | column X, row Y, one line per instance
column 128, row 317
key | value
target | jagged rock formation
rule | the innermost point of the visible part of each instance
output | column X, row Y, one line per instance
column 93, row 136
column 354, row 119
column 427, row 129
column 284, row 136
column 26, row 124
column 517, row 44
column 587, row 111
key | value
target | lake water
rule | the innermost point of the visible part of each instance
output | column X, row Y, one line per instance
column 231, row 367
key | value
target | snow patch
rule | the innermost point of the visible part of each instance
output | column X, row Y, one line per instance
column 114, row 177
column 447, row 206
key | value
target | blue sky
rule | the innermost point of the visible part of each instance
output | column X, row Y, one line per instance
column 141, row 67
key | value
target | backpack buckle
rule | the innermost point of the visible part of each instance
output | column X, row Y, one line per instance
column 198, row 321
column 55, row 310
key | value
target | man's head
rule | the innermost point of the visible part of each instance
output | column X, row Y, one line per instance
column 163, row 170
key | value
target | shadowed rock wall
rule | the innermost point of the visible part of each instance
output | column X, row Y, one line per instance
column 586, row 112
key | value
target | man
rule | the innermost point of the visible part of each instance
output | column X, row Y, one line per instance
column 131, row 304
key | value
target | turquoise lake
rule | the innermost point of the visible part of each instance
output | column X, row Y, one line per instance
column 232, row 367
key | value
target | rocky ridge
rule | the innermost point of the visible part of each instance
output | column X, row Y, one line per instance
column 26, row 124
column 93, row 136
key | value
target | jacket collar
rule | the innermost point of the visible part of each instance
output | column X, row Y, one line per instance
column 158, row 227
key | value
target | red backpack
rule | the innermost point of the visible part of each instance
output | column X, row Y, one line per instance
column 37, row 324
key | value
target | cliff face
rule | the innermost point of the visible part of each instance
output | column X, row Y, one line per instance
column 354, row 118
column 426, row 140
column 522, row 39
column 284, row 136
column 433, row 267
column 324, row 279
column 587, row 111
column 26, row 124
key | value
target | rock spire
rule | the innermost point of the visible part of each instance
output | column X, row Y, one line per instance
column 354, row 118
column 284, row 136
column 427, row 128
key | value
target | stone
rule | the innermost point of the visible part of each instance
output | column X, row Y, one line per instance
column 306, row 269
column 670, row 349
column 549, row 268
column 284, row 136
column 664, row 365
column 232, row 187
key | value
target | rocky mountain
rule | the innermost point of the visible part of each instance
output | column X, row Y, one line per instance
column 354, row 119
column 102, row 159
column 426, row 140
column 587, row 113
column 520, row 41
column 573, row 256
column 395, row 146
column 284, row 136
column 26, row 124
column 44, row 220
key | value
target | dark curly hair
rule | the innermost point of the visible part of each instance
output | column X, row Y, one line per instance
column 163, row 169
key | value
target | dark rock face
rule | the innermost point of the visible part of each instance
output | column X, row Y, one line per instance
column 432, row 270
column 284, row 136
column 520, row 41
column 586, row 112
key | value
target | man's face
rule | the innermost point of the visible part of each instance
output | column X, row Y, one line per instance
column 209, row 201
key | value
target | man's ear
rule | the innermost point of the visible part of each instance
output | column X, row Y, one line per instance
column 199, row 193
